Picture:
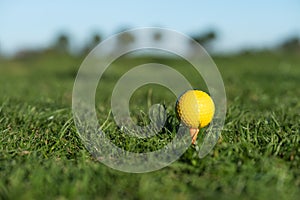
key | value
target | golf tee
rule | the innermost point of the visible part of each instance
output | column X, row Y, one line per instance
column 194, row 133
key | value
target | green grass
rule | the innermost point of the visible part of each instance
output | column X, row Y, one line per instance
column 257, row 157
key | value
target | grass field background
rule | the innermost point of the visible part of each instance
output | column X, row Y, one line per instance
column 257, row 157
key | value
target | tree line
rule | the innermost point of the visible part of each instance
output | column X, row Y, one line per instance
column 62, row 43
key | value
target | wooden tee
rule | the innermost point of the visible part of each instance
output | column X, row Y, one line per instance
column 194, row 133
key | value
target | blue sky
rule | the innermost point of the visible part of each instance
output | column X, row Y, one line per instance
column 35, row 23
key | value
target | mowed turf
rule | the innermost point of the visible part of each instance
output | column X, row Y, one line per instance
column 257, row 157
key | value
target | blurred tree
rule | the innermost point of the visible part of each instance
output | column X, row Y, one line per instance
column 157, row 36
column 124, row 39
column 206, row 38
column 291, row 44
column 95, row 40
column 62, row 43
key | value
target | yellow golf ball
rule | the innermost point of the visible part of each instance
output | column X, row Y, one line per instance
column 195, row 108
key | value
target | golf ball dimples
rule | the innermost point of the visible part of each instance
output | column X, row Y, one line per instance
column 195, row 108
